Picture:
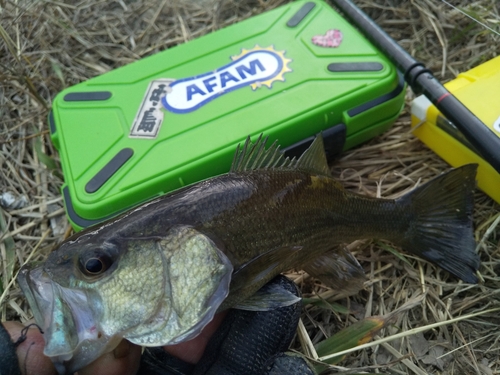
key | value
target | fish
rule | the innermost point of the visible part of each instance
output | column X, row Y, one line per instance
column 156, row 274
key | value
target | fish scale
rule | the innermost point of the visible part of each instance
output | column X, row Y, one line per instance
column 284, row 222
column 179, row 259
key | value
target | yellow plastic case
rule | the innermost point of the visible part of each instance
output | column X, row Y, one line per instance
column 479, row 90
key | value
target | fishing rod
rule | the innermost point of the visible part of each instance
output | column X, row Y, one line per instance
column 422, row 80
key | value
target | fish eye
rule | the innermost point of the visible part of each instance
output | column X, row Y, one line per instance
column 96, row 265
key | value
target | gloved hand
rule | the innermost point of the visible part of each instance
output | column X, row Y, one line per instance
column 246, row 343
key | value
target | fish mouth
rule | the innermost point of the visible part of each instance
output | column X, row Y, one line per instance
column 72, row 337
column 37, row 288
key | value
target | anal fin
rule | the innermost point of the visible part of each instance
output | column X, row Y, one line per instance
column 339, row 270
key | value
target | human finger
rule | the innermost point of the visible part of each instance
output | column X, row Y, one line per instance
column 191, row 351
column 124, row 360
column 30, row 351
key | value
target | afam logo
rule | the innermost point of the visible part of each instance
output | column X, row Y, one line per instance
column 255, row 67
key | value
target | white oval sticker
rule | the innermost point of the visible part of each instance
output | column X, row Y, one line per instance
column 255, row 67
column 496, row 125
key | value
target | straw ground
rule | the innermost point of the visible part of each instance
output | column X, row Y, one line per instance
column 46, row 46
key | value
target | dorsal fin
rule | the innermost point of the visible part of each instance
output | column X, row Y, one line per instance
column 314, row 158
column 254, row 156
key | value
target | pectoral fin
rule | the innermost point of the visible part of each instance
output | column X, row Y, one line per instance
column 250, row 277
column 271, row 296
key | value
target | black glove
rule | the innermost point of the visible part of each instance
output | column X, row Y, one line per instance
column 9, row 364
column 246, row 343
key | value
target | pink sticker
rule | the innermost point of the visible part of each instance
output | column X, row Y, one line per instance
column 331, row 39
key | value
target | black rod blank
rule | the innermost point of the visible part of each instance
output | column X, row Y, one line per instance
column 422, row 80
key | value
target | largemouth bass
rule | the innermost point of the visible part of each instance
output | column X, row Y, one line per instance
column 157, row 274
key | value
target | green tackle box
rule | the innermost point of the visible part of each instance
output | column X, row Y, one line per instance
column 176, row 117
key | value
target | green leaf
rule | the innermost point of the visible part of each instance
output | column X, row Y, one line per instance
column 10, row 253
column 325, row 304
column 43, row 157
column 394, row 252
column 58, row 71
column 354, row 335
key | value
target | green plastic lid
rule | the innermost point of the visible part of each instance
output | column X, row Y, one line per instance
column 176, row 117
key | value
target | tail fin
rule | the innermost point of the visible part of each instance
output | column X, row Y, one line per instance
column 442, row 232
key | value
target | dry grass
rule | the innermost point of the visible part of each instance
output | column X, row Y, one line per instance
column 46, row 46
